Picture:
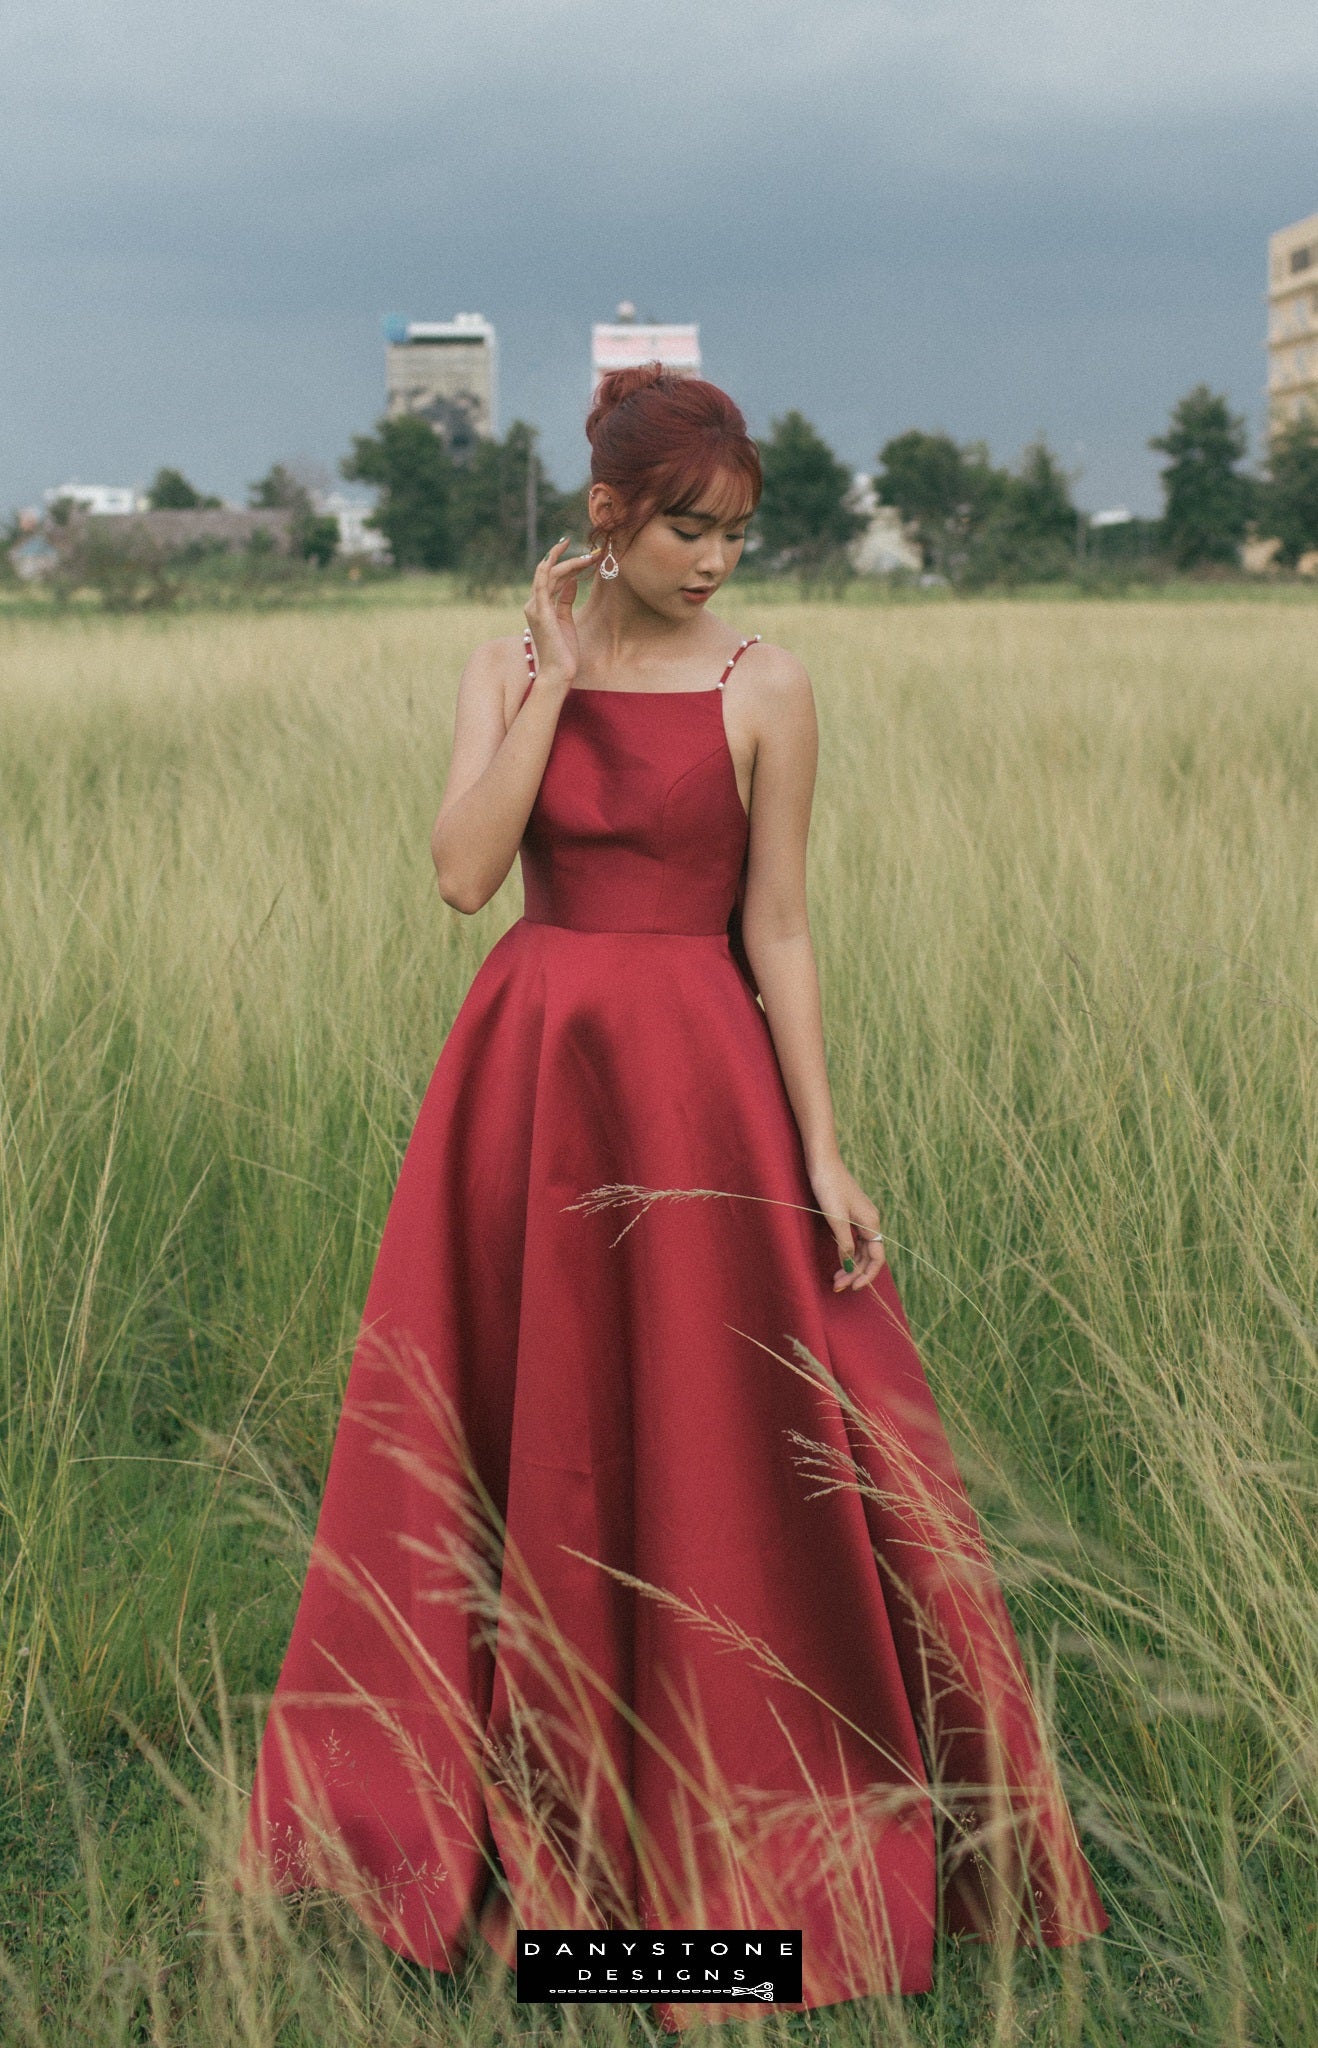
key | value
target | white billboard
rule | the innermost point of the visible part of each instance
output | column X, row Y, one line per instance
column 620, row 345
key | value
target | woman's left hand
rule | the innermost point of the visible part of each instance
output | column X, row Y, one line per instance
column 854, row 1222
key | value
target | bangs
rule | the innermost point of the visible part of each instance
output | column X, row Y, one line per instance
column 727, row 491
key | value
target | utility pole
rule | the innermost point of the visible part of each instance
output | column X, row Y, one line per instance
column 1081, row 518
column 532, row 502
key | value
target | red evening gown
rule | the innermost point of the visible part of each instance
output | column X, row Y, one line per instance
column 645, row 1591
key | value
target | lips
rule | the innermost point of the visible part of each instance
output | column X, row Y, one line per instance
column 697, row 596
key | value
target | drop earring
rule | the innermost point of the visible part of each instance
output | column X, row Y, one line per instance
column 608, row 568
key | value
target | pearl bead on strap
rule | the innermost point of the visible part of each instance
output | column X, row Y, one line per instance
column 736, row 658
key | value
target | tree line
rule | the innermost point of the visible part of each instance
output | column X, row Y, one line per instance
column 484, row 516
column 978, row 524
column 315, row 535
column 476, row 515
column 975, row 523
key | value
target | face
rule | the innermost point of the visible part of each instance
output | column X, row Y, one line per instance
column 676, row 561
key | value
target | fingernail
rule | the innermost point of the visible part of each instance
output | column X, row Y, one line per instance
column 848, row 1265
column 559, row 542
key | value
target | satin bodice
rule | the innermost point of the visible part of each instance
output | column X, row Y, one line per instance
column 638, row 825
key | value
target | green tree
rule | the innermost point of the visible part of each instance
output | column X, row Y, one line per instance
column 924, row 477
column 315, row 535
column 1026, row 532
column 1206, row 500
column 489, row 508
column 803, row 515
column 171, row 492
column 1041, row 493
column 128, row 568
column 410, row 466
column 278, row 491
column 942, row 489
column 1288, row 501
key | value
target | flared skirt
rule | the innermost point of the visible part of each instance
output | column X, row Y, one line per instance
column 645, row 1590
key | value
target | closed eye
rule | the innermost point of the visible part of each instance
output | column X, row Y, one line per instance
column 696, row 536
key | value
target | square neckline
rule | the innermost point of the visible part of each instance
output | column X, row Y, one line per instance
column 595, row 690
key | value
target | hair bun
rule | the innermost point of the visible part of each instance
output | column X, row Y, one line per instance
column 659, row 439
column 616, row 386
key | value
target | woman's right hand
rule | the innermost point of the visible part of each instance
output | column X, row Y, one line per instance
column 549, row 612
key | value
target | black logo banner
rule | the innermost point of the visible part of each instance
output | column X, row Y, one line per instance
column 684, row 1965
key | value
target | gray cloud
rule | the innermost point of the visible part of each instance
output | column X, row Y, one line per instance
column 999, row 218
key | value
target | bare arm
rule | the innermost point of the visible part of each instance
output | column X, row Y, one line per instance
column 494, row 773
column 776, row 933
column 496, row 767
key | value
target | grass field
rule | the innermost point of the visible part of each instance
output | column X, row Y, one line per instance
column 1065, row 898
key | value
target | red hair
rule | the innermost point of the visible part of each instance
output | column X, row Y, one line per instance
column 661, row 441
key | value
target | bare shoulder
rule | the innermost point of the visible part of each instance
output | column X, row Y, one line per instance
column 494, row 674
column 783, row 693
column 494, row 659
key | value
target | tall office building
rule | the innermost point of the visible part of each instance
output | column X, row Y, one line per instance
column 1292, row 320
column 445, row 371
column 619, row 344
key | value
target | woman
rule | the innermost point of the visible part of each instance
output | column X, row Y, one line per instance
column 645, row 1592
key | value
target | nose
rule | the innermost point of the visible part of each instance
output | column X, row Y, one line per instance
column 711, row 561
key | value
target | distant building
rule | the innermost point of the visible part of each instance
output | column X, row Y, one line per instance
column 622, row 343
column 356, row 538
column 1258, row 557
column 1292, row 320
column 107, row 501
column 149, row 537
column 33, row 557
column 164, row 534
column 883, row 547
column 446, row 372
column 218, row 526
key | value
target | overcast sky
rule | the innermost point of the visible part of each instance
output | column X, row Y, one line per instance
column 999, row 218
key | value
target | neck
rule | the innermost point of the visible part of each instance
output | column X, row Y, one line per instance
column 614, row 624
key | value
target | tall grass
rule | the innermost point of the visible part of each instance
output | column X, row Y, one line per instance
column 1065, row 899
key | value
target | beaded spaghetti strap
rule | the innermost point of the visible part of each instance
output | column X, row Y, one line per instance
column 529, row 647
column 722, row 681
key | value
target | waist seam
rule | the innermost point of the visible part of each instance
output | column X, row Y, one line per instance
column 628, row 931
